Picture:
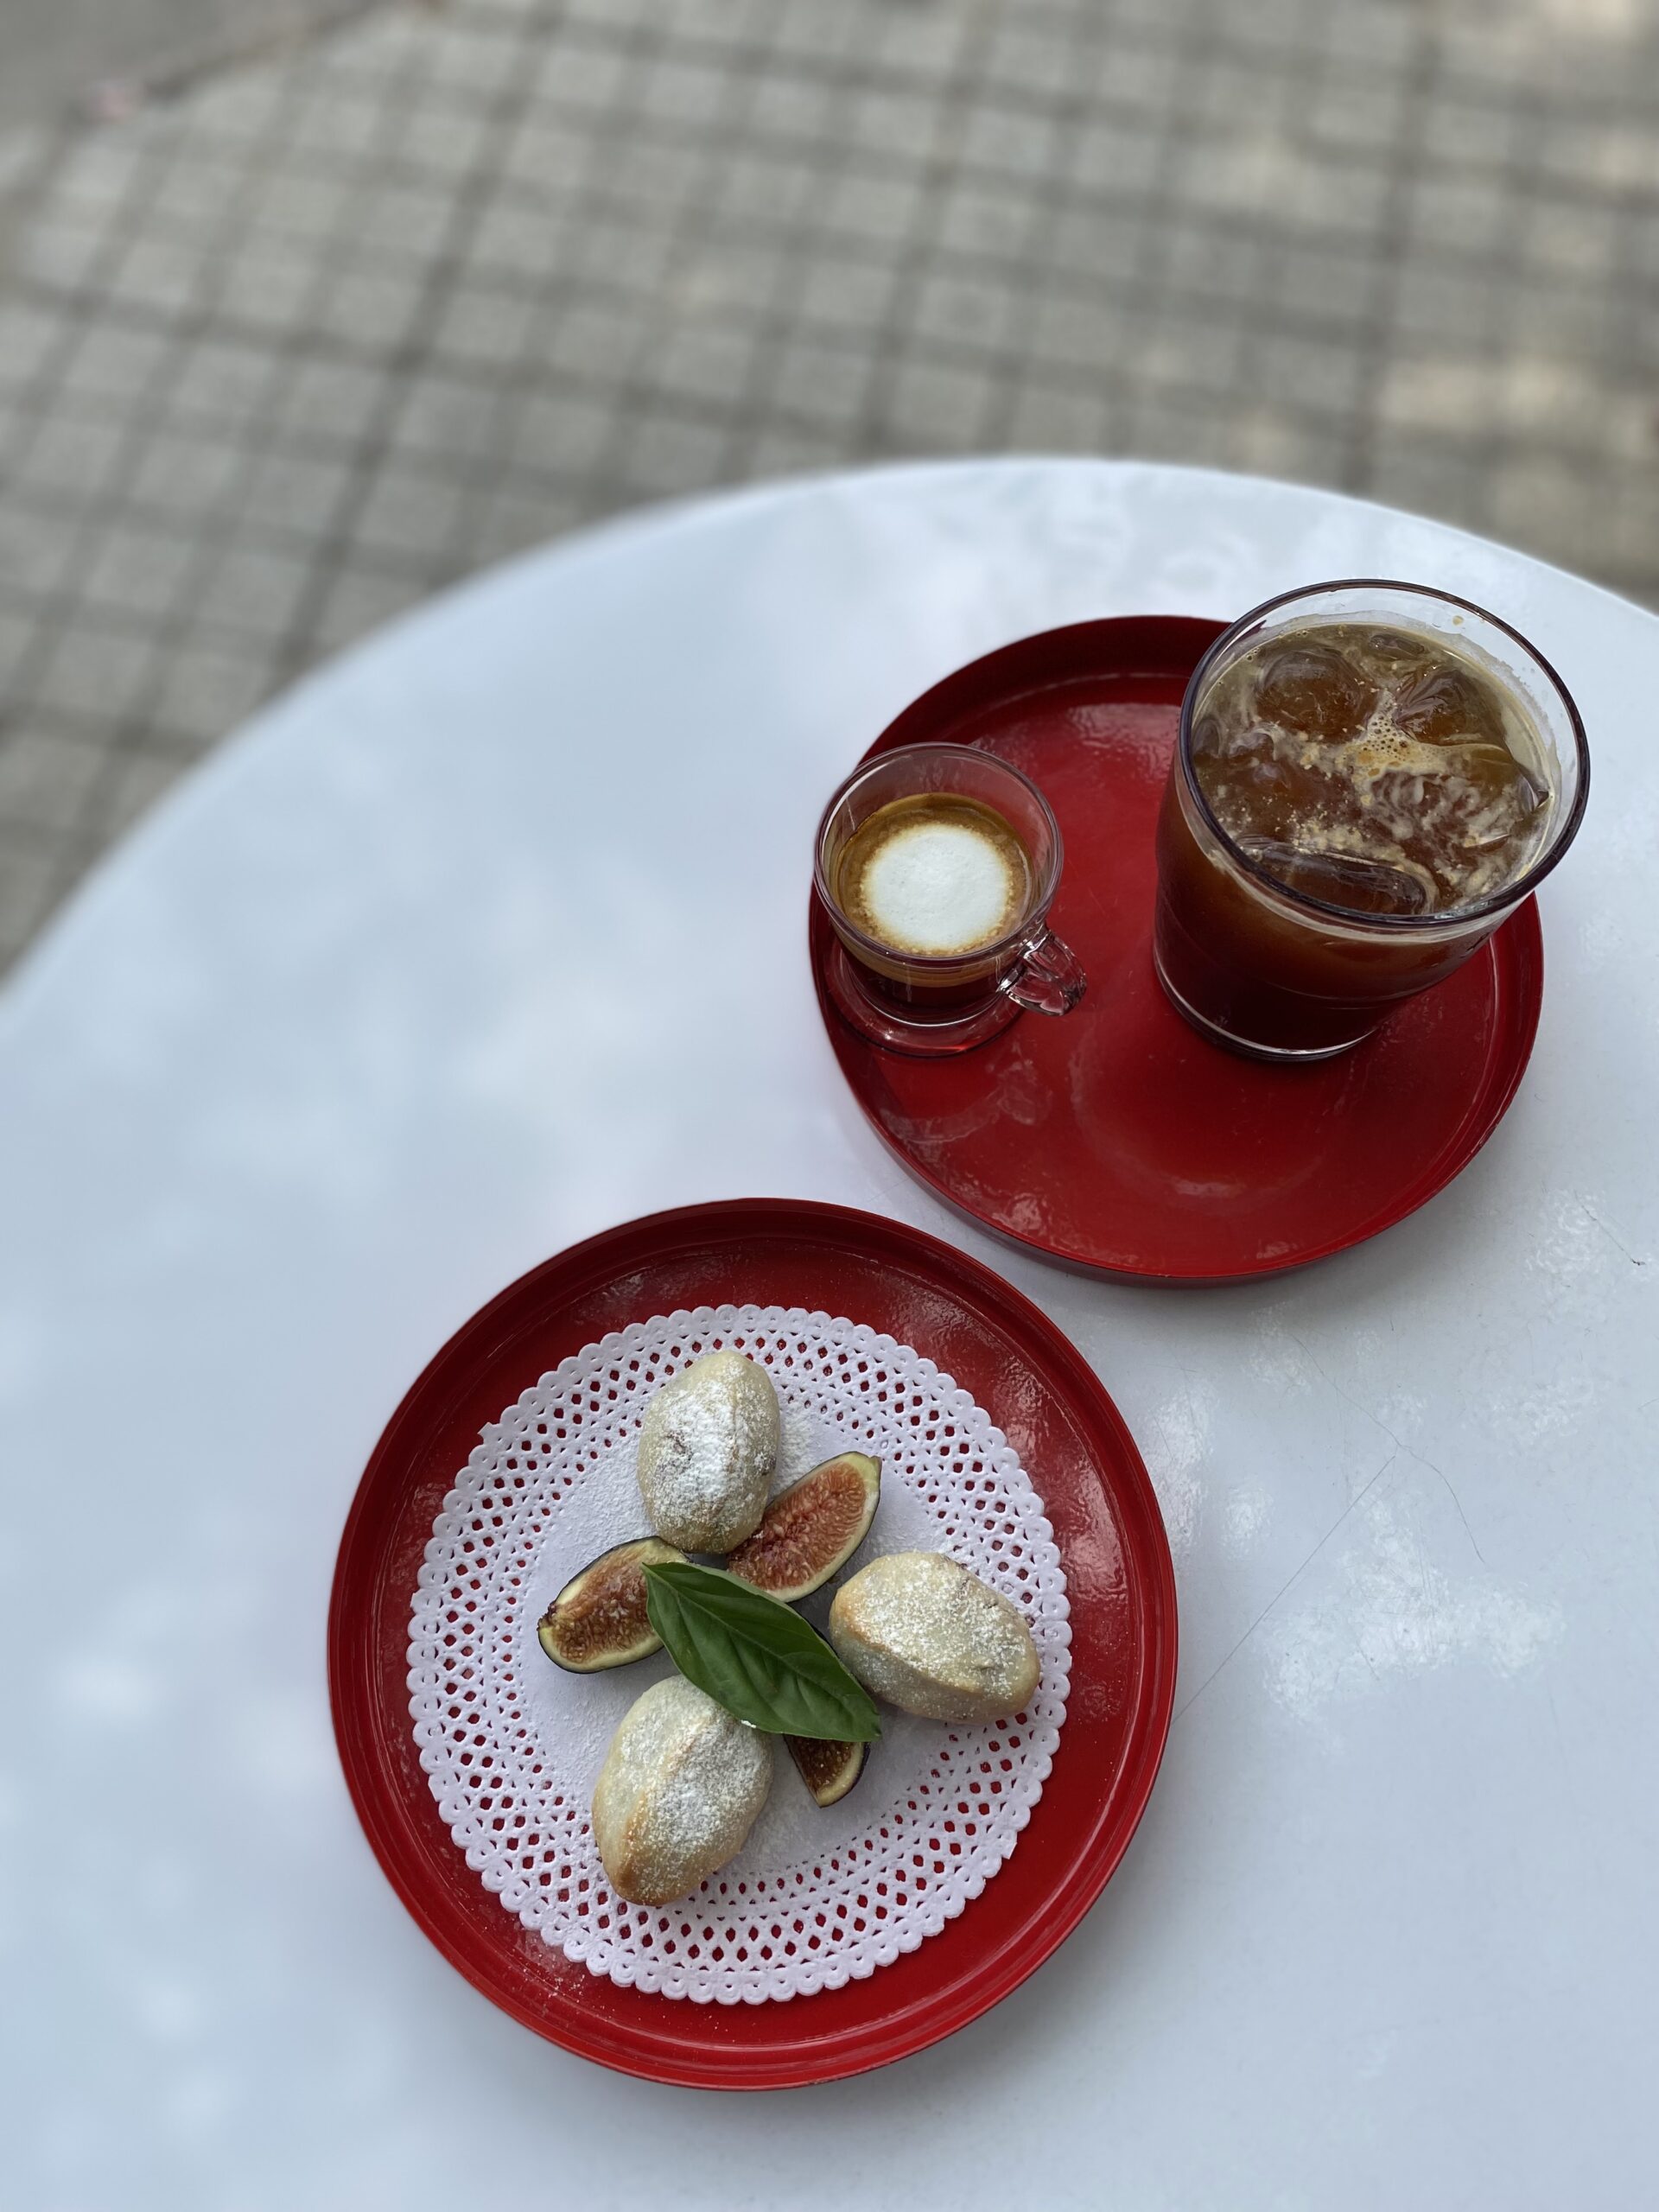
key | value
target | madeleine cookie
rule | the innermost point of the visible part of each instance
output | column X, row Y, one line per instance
column 678, row 1794
column 931, row 1638
column 706, row 1451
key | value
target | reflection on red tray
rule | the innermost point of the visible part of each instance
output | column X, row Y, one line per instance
column 1117, row 1140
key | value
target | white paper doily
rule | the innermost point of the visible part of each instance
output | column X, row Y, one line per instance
column 510, row 1745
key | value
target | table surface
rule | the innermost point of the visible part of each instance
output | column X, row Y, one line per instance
column 492, row 935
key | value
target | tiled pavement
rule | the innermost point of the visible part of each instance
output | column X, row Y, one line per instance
column 310, row 335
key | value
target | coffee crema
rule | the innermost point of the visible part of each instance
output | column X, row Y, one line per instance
column 934, row 874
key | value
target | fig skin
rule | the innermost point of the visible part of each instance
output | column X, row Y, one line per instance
column 810, row 1530
column 615, row 1582
column 829, row 1770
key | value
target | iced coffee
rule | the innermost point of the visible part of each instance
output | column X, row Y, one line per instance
column 1368, row 778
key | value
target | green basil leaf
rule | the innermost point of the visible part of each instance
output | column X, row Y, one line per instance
column 755, row 1657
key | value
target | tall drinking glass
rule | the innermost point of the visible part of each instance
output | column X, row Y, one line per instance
column 1291, row 961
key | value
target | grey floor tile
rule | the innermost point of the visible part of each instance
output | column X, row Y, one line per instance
column 140, row 569
column 970, row 310
column 547, row 151
column 878, row 210
column 112, row 361
column 295, row 495
column 1097, row 250
column 303, row 206
column 369, row 311
column 45, row 780
column 135, row 783
column 925, row 43
column 1138, row 81
column 33, row 878
column 266, row 288
column 226, row 381
column 18, row 427
column 335, row 404
column 254, row 590
column 18, row 636
column 1307, row 375
column 1004, row 221
column 208, row 688
column 486, row 327
column 443, row 417
column 359, row 599
column 1083, row 333
column 1051, row 418
column 591, row 341
column 31, row 333
column 998, row 139
column 98, row 673
column 441, row 141
column 409, row 512
column 903, row 127
column 665, row 455
column 610, row 249
column 37, row 547
column 66, row 256
column 516, row 238
column 71, row 460
column 848, row 294
column 511, row 520
column 704, row 362
column 99, row 170
column 158, row 276
column 822, row 382
column 1040, row 61
column 563, row 435
column 195, row 473
column 780, row 450
column 794, row 111
column 405, row 222
column 935, row 405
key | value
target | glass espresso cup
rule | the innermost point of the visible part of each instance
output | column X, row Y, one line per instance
column 1293, row 943
column 948, row 819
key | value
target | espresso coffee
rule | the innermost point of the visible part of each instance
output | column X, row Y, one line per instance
column 1375, row 770
column 934, row 874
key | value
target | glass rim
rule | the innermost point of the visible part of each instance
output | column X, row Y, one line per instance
column 1022, row 930
column 1496, row 902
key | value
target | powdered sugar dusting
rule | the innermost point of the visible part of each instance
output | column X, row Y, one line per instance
column 796, row 1453
column 706, row 1451
column 929, row 1612
column 707, row 1776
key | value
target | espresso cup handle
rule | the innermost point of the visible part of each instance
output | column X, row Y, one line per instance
column 1050, row 980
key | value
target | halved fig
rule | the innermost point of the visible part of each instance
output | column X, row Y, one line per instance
column 811, row 1528
column 599, row 1618
column 828, row 1769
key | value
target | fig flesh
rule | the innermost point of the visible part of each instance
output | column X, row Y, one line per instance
column 812, row 1530
column 599, row 1619
column 828, row 1769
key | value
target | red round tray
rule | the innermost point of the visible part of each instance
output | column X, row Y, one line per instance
column 1036, row 1385
column 1115, row 1139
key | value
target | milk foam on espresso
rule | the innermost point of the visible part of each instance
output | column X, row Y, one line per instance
column 935, row 874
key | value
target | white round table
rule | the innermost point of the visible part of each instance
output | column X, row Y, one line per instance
column 494, row 934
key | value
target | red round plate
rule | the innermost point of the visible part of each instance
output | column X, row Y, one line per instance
column 1114, row 1139
column 1035, row 1385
